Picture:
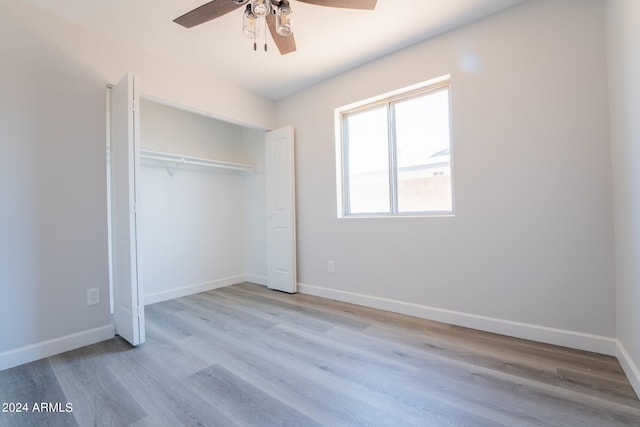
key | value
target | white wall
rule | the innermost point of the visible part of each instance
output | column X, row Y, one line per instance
column 623, row 36
column 62, row 42
column 173, row 130
column 53, row 222
column 530, row 249
column 53, row 239
column 193, row 222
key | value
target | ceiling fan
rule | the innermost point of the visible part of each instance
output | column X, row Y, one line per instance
column 275, row 12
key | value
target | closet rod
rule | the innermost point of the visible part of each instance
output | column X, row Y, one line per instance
column 198, row 161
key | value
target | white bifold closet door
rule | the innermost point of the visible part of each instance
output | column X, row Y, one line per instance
column 125, row 166
column 280, row 196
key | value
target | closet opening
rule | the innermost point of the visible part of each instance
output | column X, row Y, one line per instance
column 201, row 201
column 201, row 208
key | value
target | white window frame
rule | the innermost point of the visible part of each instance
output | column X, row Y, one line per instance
column 389, row 99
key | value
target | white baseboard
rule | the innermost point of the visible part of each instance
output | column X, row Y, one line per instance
column 192, row 289
column 30, row 353
column 629, row 367
column 572, row 339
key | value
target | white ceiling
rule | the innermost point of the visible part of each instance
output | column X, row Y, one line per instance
column 329, row 41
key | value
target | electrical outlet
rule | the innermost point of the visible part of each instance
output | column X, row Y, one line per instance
column 93, row 296
column 331, row 266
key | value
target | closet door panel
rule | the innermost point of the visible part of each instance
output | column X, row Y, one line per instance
column 280, row 195
column 125, row 165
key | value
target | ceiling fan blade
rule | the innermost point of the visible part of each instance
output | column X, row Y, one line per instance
column 346, row 4
column 206, row 13
column 285, row 44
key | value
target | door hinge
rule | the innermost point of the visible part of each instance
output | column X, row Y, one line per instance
column 137, row 312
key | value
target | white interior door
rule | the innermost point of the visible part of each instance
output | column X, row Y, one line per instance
column 281, row 221
column 125, row 164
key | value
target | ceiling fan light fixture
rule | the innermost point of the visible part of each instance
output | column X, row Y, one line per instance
column 261, row 7
column 250, row 27
column 276, row 14
column 283, row 19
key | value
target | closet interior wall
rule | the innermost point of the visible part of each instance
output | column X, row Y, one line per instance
column 201, row 227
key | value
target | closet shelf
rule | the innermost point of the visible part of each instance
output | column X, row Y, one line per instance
column 177, row 159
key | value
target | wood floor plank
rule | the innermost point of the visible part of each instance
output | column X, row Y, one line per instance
column 155, row 316
column 316, row 389
column 164, row 396
column 545, row 354
column 285, row 303
column 344, row 313
column 369, row 372
column 295, row 386
column 492, row 393
column 275, row 314
column 32, row 385
column 98, row 397
column 259, row 349
column 517, row 363
column 337, row 367
column 248, row 356
column 243, row 402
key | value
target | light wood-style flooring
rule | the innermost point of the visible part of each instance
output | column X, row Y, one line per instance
column 247, row 356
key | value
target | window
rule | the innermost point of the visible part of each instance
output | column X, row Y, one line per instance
column 396, row 154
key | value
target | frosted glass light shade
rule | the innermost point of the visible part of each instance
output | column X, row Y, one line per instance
column 261, row 7
column 283, row 22
column 283, row 19
column 250, row 27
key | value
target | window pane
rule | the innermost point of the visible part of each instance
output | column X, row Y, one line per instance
column 368, row 161
column 423, row 153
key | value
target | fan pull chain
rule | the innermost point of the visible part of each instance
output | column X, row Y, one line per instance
column 255, row 38
column 265, row 33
